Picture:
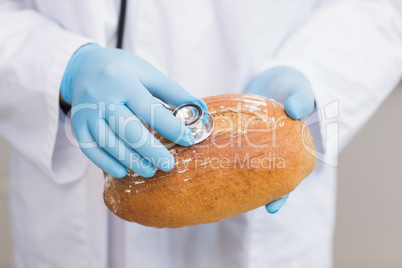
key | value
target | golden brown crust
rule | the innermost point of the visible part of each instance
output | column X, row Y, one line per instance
column 255, row 155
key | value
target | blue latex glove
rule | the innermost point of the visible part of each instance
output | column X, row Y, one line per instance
column 291, row 88
column 110, row 90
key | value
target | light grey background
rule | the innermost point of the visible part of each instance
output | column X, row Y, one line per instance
column 369, row 224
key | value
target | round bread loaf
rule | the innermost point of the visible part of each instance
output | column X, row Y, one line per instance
column 255, row 155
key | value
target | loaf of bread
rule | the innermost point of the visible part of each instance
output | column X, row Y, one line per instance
column 255, row 155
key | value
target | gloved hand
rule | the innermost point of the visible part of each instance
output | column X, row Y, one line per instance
column 291, row 88
column 110, row 90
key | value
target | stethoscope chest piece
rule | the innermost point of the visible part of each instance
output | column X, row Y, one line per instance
column 200, row 123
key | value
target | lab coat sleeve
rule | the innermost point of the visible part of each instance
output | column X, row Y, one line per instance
column 34, row 51
column 351, row 51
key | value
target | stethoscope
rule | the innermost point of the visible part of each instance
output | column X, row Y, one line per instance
column 192, row 115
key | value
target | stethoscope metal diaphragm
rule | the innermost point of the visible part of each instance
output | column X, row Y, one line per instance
column 200, row 123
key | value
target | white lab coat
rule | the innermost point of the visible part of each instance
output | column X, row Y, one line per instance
column 350, row 50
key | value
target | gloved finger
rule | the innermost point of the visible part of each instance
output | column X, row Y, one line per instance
column 279, row 83
column 97, row 155
column 259, row 85
column 152, row 112
column 273, row 83
column 274, row 206
column 167, row 90
column 111, row 143
column 300, row 104
column 130, row 129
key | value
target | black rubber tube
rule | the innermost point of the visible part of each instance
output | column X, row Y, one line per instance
column 121, row 23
